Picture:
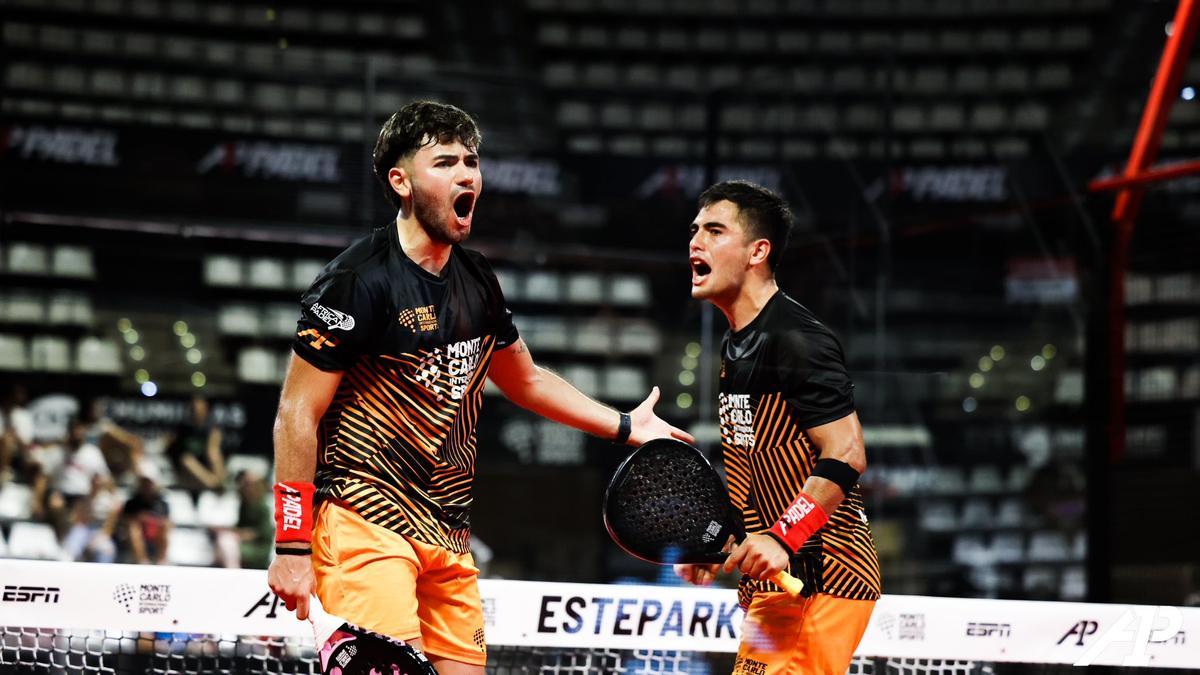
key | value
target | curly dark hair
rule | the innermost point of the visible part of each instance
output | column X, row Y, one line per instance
column 765, row 214
column 414, row 126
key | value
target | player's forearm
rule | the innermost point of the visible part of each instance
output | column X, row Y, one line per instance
column 826, row 492
column 842, row 459
column 552, row 397
column 295, row 437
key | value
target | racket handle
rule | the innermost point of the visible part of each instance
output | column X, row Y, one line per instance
column 787, row 582
column 323, row 623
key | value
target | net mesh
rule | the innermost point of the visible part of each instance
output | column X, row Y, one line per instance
column 33, row 650
column 37, row 650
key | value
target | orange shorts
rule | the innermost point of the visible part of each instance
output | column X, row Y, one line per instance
column 783, row 635
column 385, row 582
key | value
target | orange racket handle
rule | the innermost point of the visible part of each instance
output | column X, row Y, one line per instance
column 787, row 582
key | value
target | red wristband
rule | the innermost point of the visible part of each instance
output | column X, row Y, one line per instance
column 804, row 517
column 294, row 512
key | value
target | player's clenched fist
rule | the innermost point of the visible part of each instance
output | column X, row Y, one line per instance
column 291, row 573
column 758, row 556
column 291, row 578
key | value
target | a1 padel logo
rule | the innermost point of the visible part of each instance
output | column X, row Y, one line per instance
column 293, row 511
column 419, row 319
column 332, row 317
column 1079, row 632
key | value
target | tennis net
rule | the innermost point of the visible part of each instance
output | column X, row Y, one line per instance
column 90, row 618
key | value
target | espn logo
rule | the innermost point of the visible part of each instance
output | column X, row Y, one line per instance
column 982, row 629
column 44, row 594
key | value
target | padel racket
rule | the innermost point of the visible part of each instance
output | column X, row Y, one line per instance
column 666, row 504
column 345, row 649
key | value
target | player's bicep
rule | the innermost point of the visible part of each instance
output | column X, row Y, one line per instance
column 841, row 439
column 512, row 368
column 307, row 390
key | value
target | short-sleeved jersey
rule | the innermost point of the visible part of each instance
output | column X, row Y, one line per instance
column 781, row 374
column 397, row 443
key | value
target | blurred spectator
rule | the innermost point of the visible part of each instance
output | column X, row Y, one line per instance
column 16, row 432
column 1056, row 495
column 195, row 451
column 93, row 524
column 145, row 527
column 256, row 522
column 81, row 464
column 123, row 450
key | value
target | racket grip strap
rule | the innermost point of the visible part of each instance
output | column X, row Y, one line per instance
column 798, row 522
column 787, row 582
column 294, row 512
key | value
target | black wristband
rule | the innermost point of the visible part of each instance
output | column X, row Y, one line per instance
column 284, row 550
column 624, row 428
column 841, row 473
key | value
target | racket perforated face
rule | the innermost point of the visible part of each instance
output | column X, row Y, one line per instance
column 666, row 504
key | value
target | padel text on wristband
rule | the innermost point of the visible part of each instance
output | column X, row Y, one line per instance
column 294, row 512
column 798, row 522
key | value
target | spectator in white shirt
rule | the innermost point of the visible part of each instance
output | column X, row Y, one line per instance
column 73, row 477
column 93, row 522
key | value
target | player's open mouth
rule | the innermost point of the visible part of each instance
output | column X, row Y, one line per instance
column 463, row 205
column 700, row 271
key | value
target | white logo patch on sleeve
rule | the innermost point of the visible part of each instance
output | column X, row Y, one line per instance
column 332, row 317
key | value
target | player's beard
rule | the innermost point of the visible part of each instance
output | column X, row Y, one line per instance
column 434, row 218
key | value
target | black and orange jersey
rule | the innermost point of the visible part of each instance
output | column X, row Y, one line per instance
column 397, row 443
column 781, row 374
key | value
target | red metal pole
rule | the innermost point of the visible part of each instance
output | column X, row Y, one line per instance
column 1156, row 175
column 1143, row 154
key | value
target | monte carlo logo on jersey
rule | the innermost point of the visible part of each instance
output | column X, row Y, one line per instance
column 332, row 317
column 737, row 419
column 419, row 319
column 450, row 368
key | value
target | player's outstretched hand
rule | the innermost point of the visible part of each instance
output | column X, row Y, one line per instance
column 357, row 651
column 758, row 556
column 646, row 426
column 291, row 578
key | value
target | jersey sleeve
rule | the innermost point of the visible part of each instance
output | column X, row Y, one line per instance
column 335, row 321
column 813, row 377
column 502, row 317
column 506, row 330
